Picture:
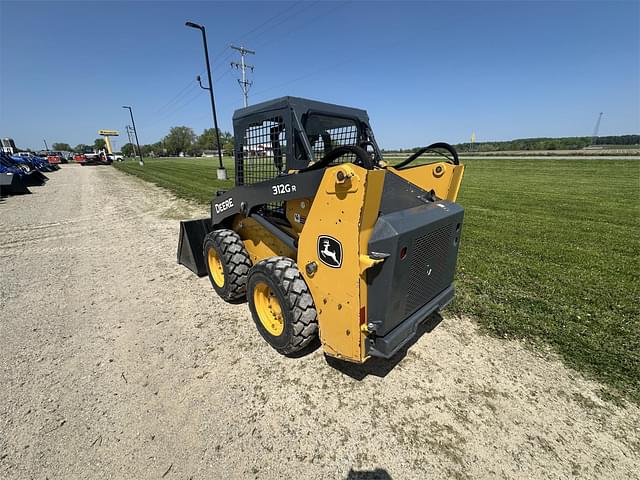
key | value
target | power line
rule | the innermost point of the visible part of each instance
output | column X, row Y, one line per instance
column 285, row 18
column 227, row 72
column 259, row 26
column 284, row 15
column 349, row 60
column 181, row 93
column 176, row 109
column 183, row 105
column 302, row 25
column 222, row 61
column 249, row 33
column 177, row 103
column 302, row 77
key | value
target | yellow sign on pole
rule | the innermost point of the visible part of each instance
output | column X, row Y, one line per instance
column 106, row 134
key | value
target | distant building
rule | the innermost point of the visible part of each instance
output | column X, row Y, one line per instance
column 260, row 149
column 210, row 153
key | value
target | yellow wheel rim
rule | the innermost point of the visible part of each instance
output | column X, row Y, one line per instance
column 268, row 309
column 215, row 267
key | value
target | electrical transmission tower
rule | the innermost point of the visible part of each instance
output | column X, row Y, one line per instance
column 244, row 83
column 594, row 137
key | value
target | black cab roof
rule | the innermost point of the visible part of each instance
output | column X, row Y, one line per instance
column 301, row 106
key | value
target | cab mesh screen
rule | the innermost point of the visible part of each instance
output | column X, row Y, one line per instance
column 263, row 157
column 326, row 133
column 263, row 151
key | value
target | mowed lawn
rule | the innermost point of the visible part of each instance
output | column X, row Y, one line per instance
column 549, row 253
column 192, row 178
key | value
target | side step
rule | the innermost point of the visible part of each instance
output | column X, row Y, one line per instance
column 192, row 233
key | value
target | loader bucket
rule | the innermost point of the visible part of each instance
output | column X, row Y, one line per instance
column 192, row 233
column 11, row 184
column 36, row 178
column 40, row 176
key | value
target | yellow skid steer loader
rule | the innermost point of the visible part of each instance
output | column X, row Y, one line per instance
column 323, row 237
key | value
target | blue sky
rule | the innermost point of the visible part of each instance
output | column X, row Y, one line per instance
column 425, row 71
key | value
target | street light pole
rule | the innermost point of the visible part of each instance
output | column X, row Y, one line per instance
column 222, row 173
column 136, row 134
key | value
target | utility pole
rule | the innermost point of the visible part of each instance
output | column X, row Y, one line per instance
column 135, row 132
column 594, row 137
column 129, row 130
column 45, row 144
column 129, row 133
column 244, row 83
column 222, row 172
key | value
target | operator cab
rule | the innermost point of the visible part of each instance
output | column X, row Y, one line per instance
column 290, row 133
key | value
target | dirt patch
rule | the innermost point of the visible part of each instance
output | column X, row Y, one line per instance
column 116, row 362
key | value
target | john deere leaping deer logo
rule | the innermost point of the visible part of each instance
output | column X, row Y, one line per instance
column 330, row 251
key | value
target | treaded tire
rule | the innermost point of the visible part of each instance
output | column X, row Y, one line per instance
column 281, row 274
column 235, row 263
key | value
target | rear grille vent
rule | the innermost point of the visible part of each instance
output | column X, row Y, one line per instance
column 428, row 273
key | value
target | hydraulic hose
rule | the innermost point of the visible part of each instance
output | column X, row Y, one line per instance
column 432, row 148
column 360, row 153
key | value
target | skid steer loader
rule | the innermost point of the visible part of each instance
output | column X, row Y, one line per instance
column 322, row 236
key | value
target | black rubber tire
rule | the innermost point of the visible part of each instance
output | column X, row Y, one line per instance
column 299, row 312
column 235, row 263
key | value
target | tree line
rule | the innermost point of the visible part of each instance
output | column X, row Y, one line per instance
column 184, row 140
column 544, row 143
column 179, row 140
column 562, row 143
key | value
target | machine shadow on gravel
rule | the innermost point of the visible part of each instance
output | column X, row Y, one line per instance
column 307, row 350
column 377, row 474
column 380, row 367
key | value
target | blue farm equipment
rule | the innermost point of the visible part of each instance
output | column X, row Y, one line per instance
column 29, row 175
column 11, row 182
column 31, row 166
column 38, row 163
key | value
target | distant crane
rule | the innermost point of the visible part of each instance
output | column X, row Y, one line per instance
column 594, row 137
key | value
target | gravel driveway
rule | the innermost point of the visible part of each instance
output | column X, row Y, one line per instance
column 115, row 362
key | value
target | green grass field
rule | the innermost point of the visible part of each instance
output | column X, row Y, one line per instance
column 192, row 178
column 549, row 253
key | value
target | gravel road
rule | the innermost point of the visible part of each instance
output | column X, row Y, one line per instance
column 115, row 362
